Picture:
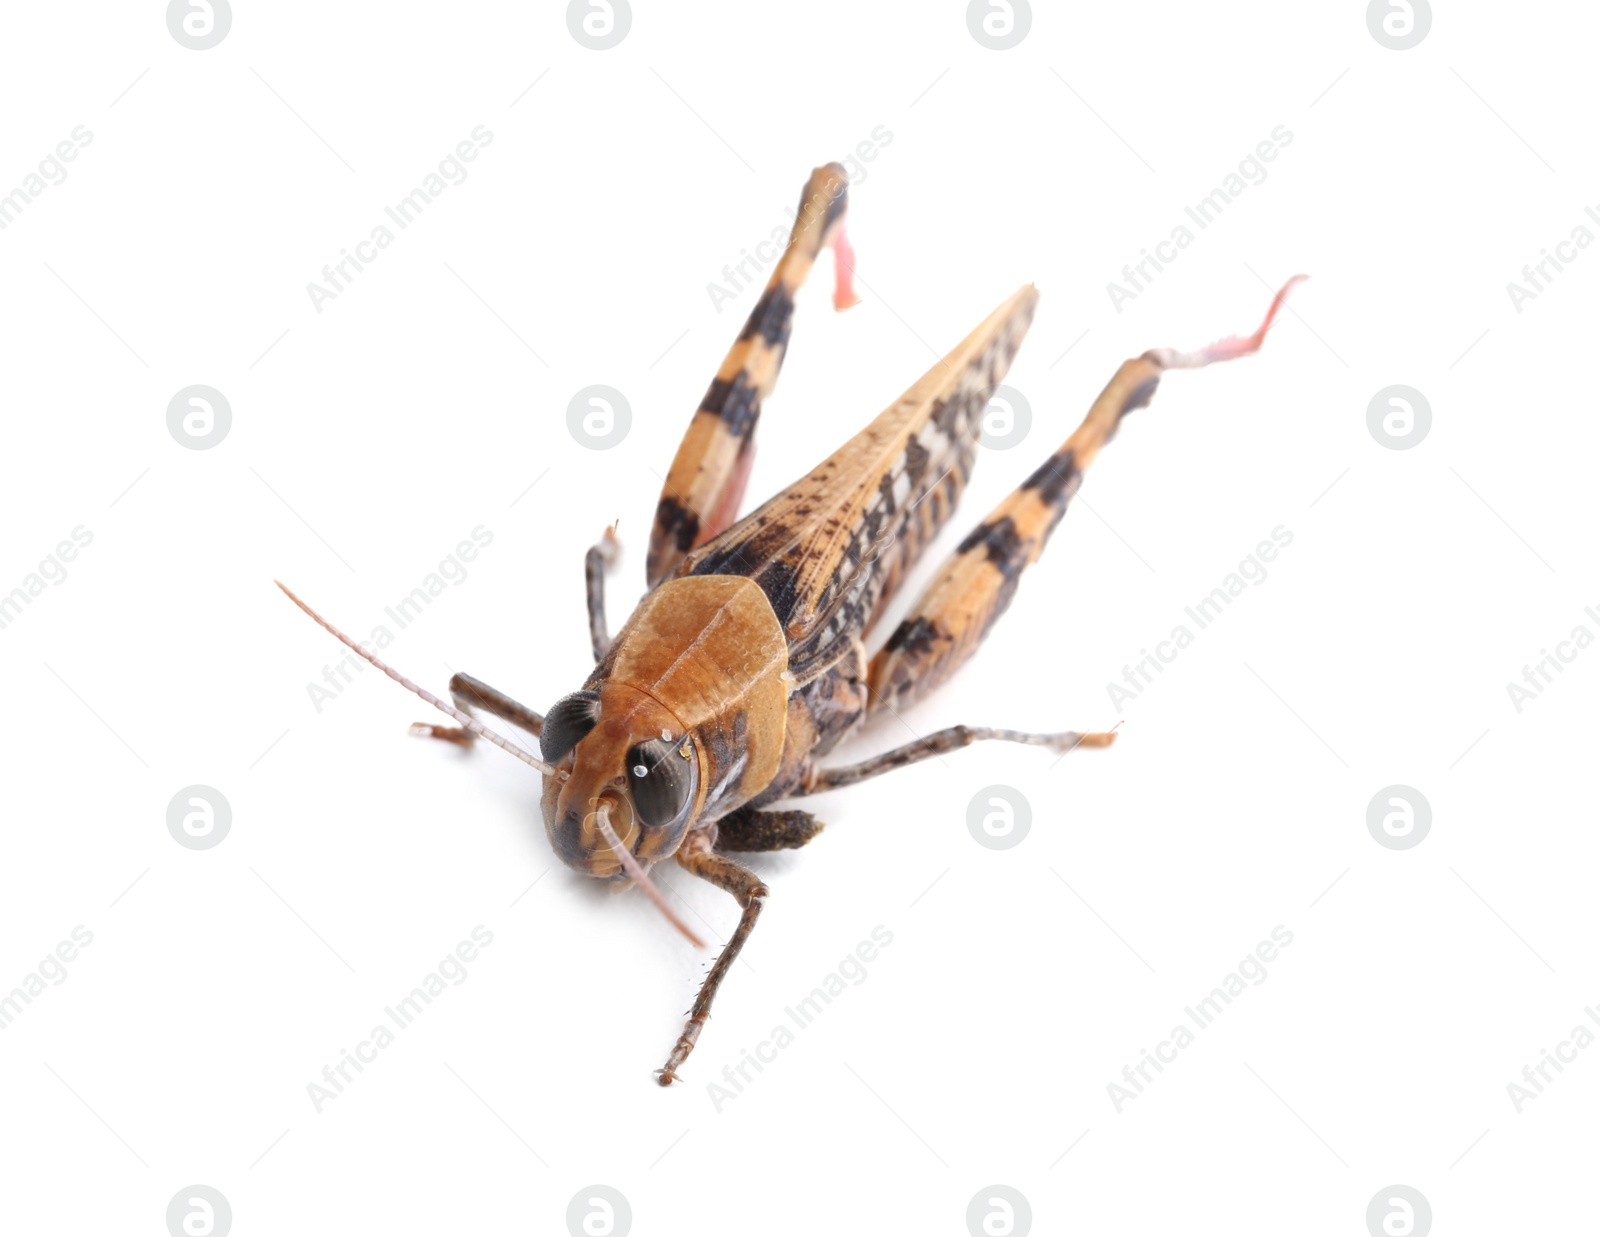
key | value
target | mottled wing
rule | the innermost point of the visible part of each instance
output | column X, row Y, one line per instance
column 830, row 550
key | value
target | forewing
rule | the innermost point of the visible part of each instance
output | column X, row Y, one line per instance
column 830, row 550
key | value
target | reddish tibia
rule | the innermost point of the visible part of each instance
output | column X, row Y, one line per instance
column 726, row 512
column 844, row 269
column 1224, row 349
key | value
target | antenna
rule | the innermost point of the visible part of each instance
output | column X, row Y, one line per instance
column 466, row 719
column 631, row 865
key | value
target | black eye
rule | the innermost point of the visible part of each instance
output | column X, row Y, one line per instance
column 572, row 717
column 661, row 775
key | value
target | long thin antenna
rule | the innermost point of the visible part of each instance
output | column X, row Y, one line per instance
column 631, row 866
column 466, row 719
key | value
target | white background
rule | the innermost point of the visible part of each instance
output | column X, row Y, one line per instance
column 372, row 436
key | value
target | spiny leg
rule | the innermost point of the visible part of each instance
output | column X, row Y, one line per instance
column 974, row 587
column 601, row 556
column 941, row 741
column 469, row 694
column 749, row 830
column 706, row 482
column 696, row 856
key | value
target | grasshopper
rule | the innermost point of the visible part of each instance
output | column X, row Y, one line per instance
column 746, row 662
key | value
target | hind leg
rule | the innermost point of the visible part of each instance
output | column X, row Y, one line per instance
column 975, row 586
column 706, row 482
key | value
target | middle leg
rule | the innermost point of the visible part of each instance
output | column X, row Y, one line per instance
column 939, row 742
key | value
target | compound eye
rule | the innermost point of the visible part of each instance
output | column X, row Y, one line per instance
column 661, row 775
column 565, row 725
